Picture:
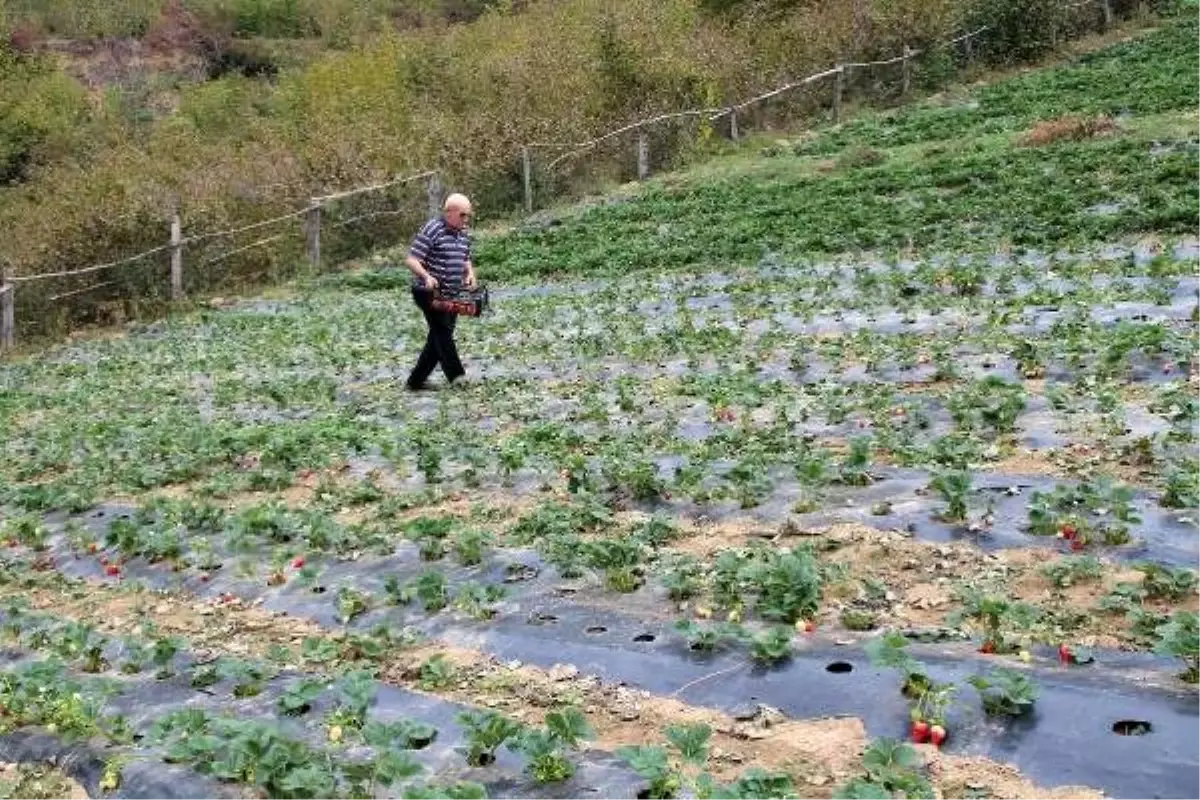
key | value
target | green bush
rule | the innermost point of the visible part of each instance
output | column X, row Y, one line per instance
column 1020, row 29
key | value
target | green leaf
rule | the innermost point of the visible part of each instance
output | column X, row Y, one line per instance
column 691, row 741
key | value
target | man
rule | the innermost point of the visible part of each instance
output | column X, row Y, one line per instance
column 440, row 258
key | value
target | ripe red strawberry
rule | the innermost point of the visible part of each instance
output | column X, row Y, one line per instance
column 1068, row 531
column 204, row 576
column 920, row 732
column 112, row 569
column 1076, row 545
column 298, row 562
column 1064, row 654
column 988, row 647
column 937, row 735
column 810, row 626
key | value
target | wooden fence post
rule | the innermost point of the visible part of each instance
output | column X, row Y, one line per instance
column 733, row 126
column 527, row 173
column 643, row 155
column 838, row 88
column 176, row 256
column 907, row 77
column 969, row 51
column 433, row 191
column 8, row 332
column 313, row 230
column 1108, row 14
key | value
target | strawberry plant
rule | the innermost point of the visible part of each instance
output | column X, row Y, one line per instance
column 163, row 654
column 478, row 601
column 1099, row 510
column 430, row 535
column 461, row 790
column 356, row 692
column 729, row 578
column 403, row 734
column 468, row 546
column 1176, row 402
column 1030, row 360
column 1182, row 489
column 512, row 455
column 1166, row 583
column 707, row 637
column 437, row 673
column 991, row 613
column 652, row 762
column 636, row 477
column 891, row 651
column 351, row 603
column 430, row 588
column 27, row 530
column 953, row 488
column 366, row 778
column 1005, row 692
column 1179, row 637
column 772, row 645
column 1069, row 570
column 892, row 770
column 928, row 712
column 789, row 585
column 485, row 732
column 620, row 560
column 682, row 577
column 812, row 471
column 750, row 480
column 565, row 551
column 655, row 531
column 545, row 747
column 854, row 619
column 299, row 697
column 855, row 467
column 136, row 655
column 670, row 771
column 990, row 403
column 40, row 693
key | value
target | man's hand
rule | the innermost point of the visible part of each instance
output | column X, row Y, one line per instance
column 430, row 282
column 471, row 282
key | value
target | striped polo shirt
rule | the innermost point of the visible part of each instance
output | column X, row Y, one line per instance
column 444, row 252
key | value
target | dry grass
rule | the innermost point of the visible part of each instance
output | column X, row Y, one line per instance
column 1069, row 128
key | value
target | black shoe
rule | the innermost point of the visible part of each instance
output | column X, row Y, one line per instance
column 418, row 387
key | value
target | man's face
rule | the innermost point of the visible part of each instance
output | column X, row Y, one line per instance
column 458, row 218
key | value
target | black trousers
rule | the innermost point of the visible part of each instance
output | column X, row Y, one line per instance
column 439, row 343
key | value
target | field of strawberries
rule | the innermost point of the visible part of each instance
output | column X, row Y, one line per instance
column 844, row 517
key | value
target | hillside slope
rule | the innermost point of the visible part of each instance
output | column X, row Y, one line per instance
column 1100, row 149
column 242, row 127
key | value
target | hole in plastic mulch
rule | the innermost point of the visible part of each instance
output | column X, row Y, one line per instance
column 1131, row 727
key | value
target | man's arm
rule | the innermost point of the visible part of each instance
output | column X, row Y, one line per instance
column 470, row 264
column 417, row 254
column 418, row 269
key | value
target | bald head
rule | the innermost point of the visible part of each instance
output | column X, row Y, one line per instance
column 458, row 210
